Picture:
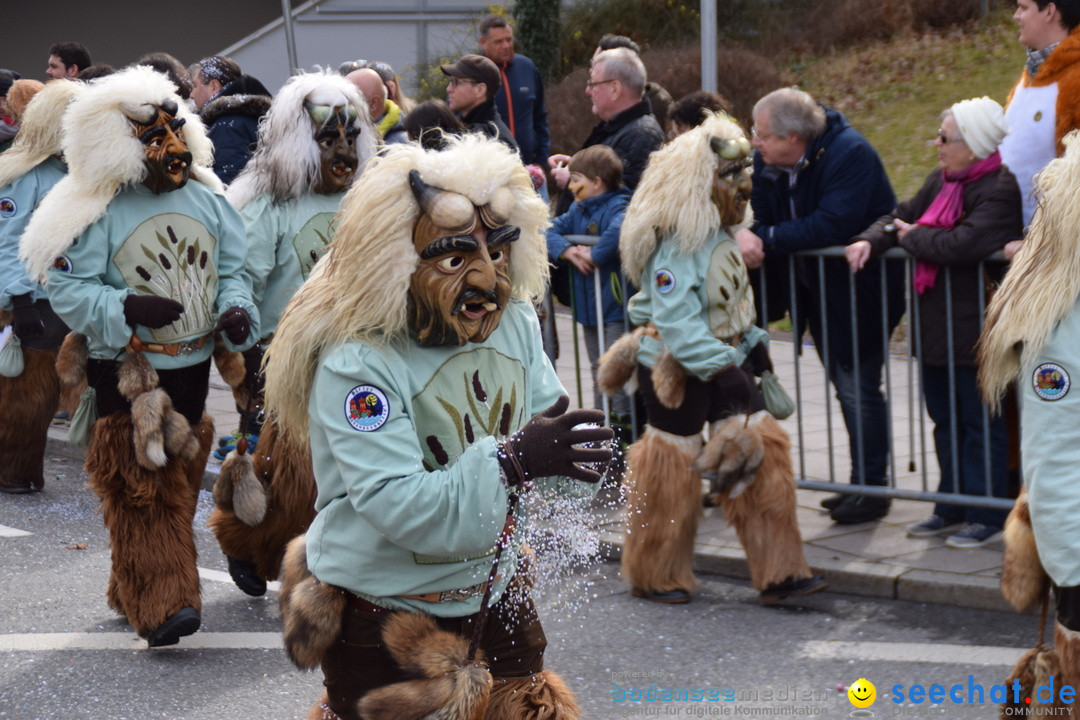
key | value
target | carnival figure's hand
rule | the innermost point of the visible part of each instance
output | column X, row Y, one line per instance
column 545, row 446
column 252, row 366
column 751, row 247
column 235, row 323
column 27, row 319
column 151, row 311
column 857, row 253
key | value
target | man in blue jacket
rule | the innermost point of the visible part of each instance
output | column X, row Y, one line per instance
column 818, row 182
column 520, row 99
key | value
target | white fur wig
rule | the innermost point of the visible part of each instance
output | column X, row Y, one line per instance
column 103, row 154
column 286, row 160
column 39, row 130
column 374, row 235
column 674, row 196
column 1043, row 282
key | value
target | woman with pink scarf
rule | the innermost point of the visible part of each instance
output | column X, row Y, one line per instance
column 967, row 209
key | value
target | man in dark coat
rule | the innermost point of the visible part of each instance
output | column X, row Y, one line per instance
column 616, row 87
column 818, row 182
column 230, row 105
column 474, row 80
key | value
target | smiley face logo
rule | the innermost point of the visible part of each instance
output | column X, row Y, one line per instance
column 862, row 693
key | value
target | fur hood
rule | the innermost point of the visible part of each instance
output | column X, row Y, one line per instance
column 40, row 130
column 286, row 162
column 250, row 105
column 103, row 155
column 674, row 197
column 374, row 234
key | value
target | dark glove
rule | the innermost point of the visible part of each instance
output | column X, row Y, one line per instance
column 253, row 367
column 27, row 319
column 235, row 323
column 151, row 311
column 544, row 447
column 758, row 360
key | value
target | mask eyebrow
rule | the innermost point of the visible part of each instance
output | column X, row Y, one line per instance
column 503, row 235
column 153, row 133
column 449, row 244
column 177, row 123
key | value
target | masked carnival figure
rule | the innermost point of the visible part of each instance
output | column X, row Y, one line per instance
column 696, row 353
column 412, row 360
column 1032, row 338
column 315, row 139
column 144, row 257
column 31, row 331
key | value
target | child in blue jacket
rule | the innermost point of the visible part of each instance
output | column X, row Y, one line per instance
column 600, row 201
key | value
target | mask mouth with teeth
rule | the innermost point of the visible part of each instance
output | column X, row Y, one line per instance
column 461, row 285
column 168, row 160
column 335, row 134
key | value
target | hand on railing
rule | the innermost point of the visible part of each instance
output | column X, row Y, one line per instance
column 1011, row 248
column 580, row 257
column 751, row 247
column 857, row 253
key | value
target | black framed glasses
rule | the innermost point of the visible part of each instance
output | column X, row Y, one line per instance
column 594, row 83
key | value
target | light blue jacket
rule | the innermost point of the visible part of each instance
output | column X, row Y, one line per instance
column 187, row 244
column 403, row 444
column 17, row 203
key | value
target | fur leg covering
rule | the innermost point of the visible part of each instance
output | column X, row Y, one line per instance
column 764, row 516
column 71, row 369
column 321, row 710
column 452, row 687
column 663, row 506
column 311, row 610
column 284, row 469
column 543, row 696
column 28, row 403
column 1067, row 647
column 1023, row 580
column 148, row 514
column 1038, row 666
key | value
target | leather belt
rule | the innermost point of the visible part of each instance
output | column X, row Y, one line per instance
column 355, row 601
column 184, row 347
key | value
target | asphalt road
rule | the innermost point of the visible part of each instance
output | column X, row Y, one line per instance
column 65, row 654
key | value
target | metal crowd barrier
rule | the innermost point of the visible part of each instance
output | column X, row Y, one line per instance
column 921, row 479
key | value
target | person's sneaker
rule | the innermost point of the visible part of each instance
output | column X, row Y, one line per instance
column 933, row 525
column 227, row 445
column 975, row 535
column 860, row 509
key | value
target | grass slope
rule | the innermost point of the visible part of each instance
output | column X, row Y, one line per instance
column 894, row 91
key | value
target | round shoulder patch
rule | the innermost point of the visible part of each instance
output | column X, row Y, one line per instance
column 62, row 264
column 665, row 281
column 1050, row 381
column 366, row 408
column 8, row 208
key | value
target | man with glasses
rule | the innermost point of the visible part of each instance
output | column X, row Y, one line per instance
column 818, row 182
column 474, row 80
column 616, row 87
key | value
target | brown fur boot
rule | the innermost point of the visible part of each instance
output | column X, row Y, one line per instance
column 28, row 403
column 452, row 687
column 764, row 515
column 1023, row 580
column 1067, row 648
column 148, row 514
column 543, row 696
column 321, row 710
column 663, row 506
column 285, row 470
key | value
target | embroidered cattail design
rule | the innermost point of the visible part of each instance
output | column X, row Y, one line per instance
column 470, row 436
column 504, row 419
column 142, row 272
column 437, row 450
column 478, row 389
column 164, row 261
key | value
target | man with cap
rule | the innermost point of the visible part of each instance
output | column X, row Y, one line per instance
column 474, row 80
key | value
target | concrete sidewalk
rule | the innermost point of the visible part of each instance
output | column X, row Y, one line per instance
column 875, row 559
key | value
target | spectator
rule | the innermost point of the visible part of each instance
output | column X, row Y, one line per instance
column 384, row 112
column 170, row 67
column 616, row 84
column 818, row 182
column 95, row 71
column 389, row 78
column 966, row 209
column 474, row 80
column 520, row 99
column 691, row 110
column 1044, row 104
column 230, row 105
column 600, row 201
column 8, row 125
column 430, row 122
column 659, row 98
column 67, row 60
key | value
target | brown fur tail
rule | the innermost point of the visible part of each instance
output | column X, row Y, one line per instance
column 311, row 610
column 453, row 687
column 1038, row 666
column 617, row 364
column 239, row 491
column 1023, row 580
column 732, row 456
column 71, row 369
column 541, row 697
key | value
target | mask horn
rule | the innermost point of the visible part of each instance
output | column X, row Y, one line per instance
column 424, row 193
column 449, row 210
